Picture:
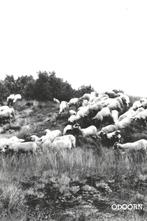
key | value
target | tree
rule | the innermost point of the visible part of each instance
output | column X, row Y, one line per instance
column 3, row 92
column 10, row 84
column 82, row 90
column 25, row 86
column 42, row 88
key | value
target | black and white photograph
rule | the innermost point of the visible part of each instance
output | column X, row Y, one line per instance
column 73, row 110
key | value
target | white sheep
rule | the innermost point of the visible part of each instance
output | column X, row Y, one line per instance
column 129, row 113
column 7, row 112
column 22, row 147
column 4, row 108
column 17, row 97
column 89, row 131
column 115, row 114
column 104, row 112
column 83, row 111
column 108, row 129
column 95, row 106
column 64, row 142
column 141, row 115
column 124, row 123
column 73, row 101
column 93, row 96
column 46, row 144
column 72, row 112
column 51, row 135
column 10, row 99
column 137, row 145
column 136, row 105
column 115, row 103
column 7, row 141
column 13, row 98
column 63, row 106
column 73, row 118
column 15, row 140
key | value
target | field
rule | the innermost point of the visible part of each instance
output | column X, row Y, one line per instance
column 77, row 185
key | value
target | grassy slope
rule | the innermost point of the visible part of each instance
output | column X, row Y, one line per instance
column 50, row 185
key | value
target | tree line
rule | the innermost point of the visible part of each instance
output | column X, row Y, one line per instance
column 46, row 87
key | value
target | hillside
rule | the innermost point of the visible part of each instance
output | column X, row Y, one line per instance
column 81, row 184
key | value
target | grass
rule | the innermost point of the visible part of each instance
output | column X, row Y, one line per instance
column 29, row 181
column 63, row 166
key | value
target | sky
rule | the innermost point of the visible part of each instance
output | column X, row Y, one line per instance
column 97, row 42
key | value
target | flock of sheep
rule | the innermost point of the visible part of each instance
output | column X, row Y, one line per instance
column 100, row 116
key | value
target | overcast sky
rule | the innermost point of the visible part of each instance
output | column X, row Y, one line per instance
column 97, row 42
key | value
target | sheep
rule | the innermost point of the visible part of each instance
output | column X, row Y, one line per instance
column 93, row 95
column 64, row 142
column 115, row 103
column 3, row 142
column 51, row 135
column 63, row 106
column 13, row 98
column 115, row 114
column 95, row 107
column 129, row 113
column 73, row 101
column 108, row 129
column 4, row 108
column 136, row 105
column 72, row 112
column 83, row 111
column 17, row 97
column 104, row 112
column 10, row 99
column 15, row 139
column 89, row 131
column 73, row 118
column 22, row 147
column 7, row 112
column 46, row 144
column 137, row 145
column 124, row 123
column 141, row 115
